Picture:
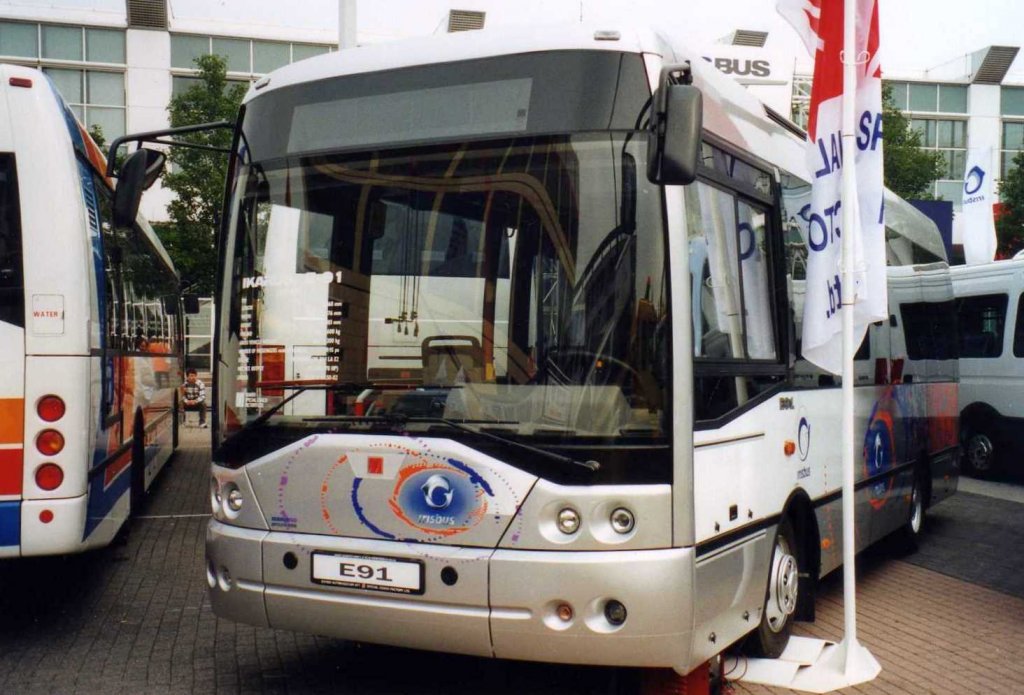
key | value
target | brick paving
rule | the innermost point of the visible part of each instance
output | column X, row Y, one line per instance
column 134, row 618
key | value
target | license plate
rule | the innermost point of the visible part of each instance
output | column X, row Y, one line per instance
column 368, row 572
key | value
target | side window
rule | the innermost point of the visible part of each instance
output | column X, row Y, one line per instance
column 928, row 329
column 12, row 289
column 982, row 320
column 1018, row 329
column 735, row 339
column 730, row 272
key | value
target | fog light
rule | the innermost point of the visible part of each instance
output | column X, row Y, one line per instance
column 568, row 521
column 564, row 612
column 235, row 499
column 622, row 520
column 615, row 612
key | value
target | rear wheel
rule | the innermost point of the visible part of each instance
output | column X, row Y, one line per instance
column 772, row 634
column 979, row 451
column 909, row 535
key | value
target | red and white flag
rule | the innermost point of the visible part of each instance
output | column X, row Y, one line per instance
column 820, row 25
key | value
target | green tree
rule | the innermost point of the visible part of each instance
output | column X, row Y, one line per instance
column 909, row 170
column 1010, row 224
column 197, row 176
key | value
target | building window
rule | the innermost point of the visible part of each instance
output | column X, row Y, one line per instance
column 949, row 137
column 1013, row 143
column 244, row 56
column 96, row 96
column 928, row 97
column 19, row 40
column 1011, row 98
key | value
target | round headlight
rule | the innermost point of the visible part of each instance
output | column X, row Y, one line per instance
column 622, row 520
column 235, row 499
column 568, row 521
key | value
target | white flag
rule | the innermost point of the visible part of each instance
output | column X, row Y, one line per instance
column 979, row 227
column 822, row 325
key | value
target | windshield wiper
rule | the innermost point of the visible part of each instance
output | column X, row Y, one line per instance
column 299, row 388
column 397, row 422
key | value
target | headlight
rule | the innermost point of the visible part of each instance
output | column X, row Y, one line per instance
column 568, row 521
column 622, row 520
column 235, row 499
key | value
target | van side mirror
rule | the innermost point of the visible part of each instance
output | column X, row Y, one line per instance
column 139, row 172
column 191, row 303
column 673, row 142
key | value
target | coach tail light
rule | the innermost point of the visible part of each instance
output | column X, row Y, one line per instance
column 50, row 442
column 50, row 408
column 49, row 476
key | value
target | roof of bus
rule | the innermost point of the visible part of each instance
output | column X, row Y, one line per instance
column 463, row 45
column 730, row 112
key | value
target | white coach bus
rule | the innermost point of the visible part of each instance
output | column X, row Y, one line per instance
column 603, row 447
column 89, row 336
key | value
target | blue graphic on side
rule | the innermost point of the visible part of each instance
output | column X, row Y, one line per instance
column 10, row 523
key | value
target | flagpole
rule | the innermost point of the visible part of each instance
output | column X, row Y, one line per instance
column 849, row 188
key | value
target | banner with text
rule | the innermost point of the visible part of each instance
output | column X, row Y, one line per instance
column 820, row 24
column 979, row 228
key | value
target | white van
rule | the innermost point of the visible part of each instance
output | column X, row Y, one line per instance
column 991, row 365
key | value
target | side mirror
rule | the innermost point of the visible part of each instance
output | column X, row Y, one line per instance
column 139, row 172
column 191, row 303
column 673, row 143
column 170, row 306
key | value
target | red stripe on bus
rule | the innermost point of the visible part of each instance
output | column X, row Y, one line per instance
column 116, row 467
column 12, row 420
column 11, row 464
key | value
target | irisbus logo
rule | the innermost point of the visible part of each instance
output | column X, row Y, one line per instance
column 974, row 180
column 439, row 499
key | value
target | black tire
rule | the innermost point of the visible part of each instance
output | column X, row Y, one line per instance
column 770, row 638
column 138, row 482
column 908, row 536
column 980, row 450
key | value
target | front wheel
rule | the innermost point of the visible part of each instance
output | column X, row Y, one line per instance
column 772, row 634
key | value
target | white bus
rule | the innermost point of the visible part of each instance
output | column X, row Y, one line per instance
column 89, row 335
column 625, row 460
column 991, row 320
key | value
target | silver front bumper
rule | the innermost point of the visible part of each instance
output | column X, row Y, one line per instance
column 503, row 604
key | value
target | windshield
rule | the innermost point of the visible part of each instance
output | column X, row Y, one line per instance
column 515, row 284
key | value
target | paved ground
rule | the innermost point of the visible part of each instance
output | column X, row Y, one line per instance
column 134, row 618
